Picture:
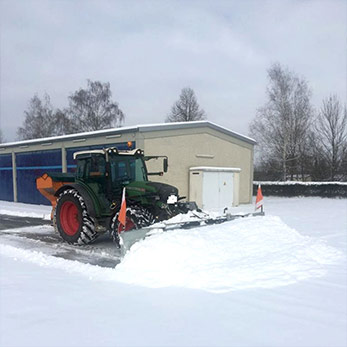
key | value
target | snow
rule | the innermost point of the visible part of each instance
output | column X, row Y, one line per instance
column 181, row 218
column 311, row 183
column 25, row 210
column 260, row 252
column 248, row 253
column 278, row 280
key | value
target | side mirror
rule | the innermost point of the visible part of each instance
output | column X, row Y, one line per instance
column 165, row 164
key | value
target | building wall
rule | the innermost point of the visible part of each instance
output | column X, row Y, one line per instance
column 29, row 166
column 203, row 147
column 6, row 186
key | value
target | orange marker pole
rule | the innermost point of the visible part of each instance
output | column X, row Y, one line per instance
column 123, row 210
column 259, row 202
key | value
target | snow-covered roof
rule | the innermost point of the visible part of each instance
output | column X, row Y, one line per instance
column 215, row 169
column 136, row 128
column 310, row 183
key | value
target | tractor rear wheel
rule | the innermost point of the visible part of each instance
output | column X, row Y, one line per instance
column 71, row 219
column 137, row 217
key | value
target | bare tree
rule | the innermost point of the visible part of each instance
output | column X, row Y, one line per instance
column 281, row 125
column 331, row 127
column 62, row 123
column 89, row 109
column 39, row 119
column 186, row 108
column 93, row 109
column 344, row 162
column 42, row 120
column 2, row 139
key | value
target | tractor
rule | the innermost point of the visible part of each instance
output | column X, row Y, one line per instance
column 86, row 203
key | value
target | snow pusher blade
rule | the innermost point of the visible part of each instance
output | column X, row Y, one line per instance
column 192, row 219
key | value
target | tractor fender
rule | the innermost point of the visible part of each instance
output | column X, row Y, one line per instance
column 83, row 192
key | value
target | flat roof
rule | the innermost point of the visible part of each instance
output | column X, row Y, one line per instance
column 215, row 169
column 136, row 128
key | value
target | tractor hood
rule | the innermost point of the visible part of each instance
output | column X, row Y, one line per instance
column 162, row 190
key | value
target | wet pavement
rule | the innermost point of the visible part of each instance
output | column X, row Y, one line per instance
column 12, row 222
column 37, row 234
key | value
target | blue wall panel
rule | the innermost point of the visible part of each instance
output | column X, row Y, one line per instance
column 71, row 164
column 31, row 165
column 6, row 183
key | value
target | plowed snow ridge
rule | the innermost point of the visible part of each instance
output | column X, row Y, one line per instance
column 248, row 253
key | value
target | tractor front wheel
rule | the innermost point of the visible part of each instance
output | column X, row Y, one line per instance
column 71, row 219
column 137, row 217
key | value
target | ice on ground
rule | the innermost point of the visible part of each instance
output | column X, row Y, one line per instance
column 25, row 210
column 255, row 252
column 70, row 266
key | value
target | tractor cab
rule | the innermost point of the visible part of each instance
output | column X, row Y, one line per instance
column 112, row 169
column 121, row 167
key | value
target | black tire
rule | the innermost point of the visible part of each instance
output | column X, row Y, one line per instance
column 139, row 217
column 71, row 219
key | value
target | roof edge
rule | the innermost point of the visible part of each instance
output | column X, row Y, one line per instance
column 194, row 124
column 136, row 128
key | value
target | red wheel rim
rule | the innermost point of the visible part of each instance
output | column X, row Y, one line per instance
column 129, row 225
column 69, row 218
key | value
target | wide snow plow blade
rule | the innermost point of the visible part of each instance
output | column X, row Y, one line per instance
column 196, row 219
column 128, row 238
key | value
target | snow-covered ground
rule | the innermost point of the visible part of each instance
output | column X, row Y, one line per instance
column 278, row 280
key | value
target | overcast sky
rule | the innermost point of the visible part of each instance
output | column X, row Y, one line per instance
column 150, row 50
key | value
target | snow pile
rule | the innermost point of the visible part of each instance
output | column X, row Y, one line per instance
column 248, row 253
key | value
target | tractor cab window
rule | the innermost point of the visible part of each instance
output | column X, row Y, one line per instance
column 80, row 168
column 94, row 166
column 121, row 170
column 97, row 166
column 126, row 169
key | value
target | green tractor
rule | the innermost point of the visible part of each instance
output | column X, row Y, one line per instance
column 87, row 203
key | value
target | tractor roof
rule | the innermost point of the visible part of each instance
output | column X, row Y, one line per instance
column 113, row 150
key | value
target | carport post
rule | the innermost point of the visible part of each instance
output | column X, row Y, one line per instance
column 63, row 159
column 14, row 177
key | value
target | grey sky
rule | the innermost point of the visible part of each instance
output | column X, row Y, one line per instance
column 150, row 50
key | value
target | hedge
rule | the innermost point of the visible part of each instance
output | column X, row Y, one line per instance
column 290, row 188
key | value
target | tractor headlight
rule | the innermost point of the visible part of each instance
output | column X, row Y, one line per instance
column 172, row 199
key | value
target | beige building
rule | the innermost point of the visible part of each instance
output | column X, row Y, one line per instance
column 187, row 145
column 197, row 144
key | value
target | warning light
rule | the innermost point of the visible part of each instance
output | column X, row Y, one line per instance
column 130, row 144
